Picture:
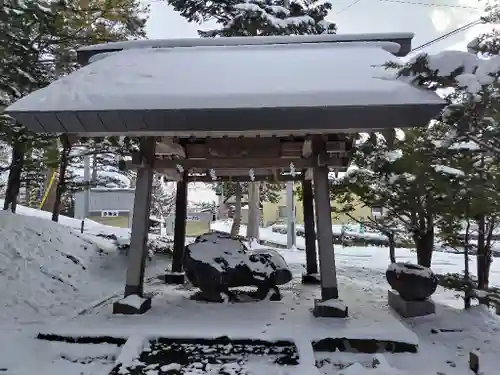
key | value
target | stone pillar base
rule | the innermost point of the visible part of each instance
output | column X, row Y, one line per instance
column 132, row 305
column 410, row 309
column 311, row 279
column 174, row 278
column 332, row 308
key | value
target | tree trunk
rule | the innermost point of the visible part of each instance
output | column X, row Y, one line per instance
column 27, row 193
column 482, row 254
column 424, row 244
column 392, row 247
column 61, row 183
column 14, row 180
column 468, row 288
column 235, row 228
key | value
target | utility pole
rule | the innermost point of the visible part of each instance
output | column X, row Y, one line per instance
column 86, row 192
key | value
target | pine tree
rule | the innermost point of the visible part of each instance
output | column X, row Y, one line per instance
column 37, row 43
column 470, row 136
column 403, row 177
column 162, row 198
column 24, row 26
column 258, row 17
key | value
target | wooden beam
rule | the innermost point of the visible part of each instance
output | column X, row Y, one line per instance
column 243, row 163
column 267, row 178
column 236, row 171
column 252, row 148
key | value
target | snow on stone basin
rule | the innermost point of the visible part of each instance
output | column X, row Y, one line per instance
column 234, row 254
column 410, row 268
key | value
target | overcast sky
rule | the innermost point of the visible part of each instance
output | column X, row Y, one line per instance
column 365, row 16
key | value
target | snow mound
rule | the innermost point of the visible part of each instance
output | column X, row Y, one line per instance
column 43, row 269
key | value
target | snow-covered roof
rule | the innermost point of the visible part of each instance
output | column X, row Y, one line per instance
column 201, row 91
column 402, row 40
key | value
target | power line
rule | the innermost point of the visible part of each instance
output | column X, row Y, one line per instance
column 447, row 35
column 347, row 7
column 432, row 4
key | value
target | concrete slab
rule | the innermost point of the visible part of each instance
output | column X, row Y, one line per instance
column 410, row 309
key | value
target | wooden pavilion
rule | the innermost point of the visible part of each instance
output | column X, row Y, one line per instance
column 212, row 109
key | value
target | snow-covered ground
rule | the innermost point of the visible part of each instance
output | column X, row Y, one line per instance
column 49, row 270
column 51, row 274
column 373, row 257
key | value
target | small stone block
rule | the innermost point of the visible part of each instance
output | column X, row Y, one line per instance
column 410, row 309
column 124, row 307
column 332, row 308
column 474, row 362
column 311, row 279
column 174, row 278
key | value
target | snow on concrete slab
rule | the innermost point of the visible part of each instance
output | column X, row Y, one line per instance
column 132, row 349
column 24, row 356
column 173, row 314
column 133, row 300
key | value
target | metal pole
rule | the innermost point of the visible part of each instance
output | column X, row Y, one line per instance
column 290, row 205
column 86, row 195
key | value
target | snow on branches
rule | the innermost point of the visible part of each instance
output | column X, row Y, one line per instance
column 258, row 17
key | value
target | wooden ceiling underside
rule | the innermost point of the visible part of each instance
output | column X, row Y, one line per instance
column 269, row 158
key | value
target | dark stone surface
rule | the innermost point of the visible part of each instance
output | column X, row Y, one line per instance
column 122, row 308
column 413, row 282
column 220, row 355
column 226, row 263
column 324, row 310
column 174, row 278
column 410, row 309
column 82, row 339
column 260, row 294
column 343, row 344
column 311, row 279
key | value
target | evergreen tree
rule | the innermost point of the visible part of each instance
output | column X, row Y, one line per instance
column 37, row 43
column 258, row 17
column 24, row 26
column 470, row 137
column 162, row 198
column 404, row 178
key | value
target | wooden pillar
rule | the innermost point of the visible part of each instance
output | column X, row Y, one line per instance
column 253, row 222
column 138, row 251
column 328, row 273
column 327, row 269
column 176, row 276
column 311, row 275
